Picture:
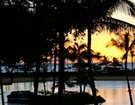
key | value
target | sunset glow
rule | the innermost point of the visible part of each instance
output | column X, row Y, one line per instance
column 99, row 40
column 99, row 43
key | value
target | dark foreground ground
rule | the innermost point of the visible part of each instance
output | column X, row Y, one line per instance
column 73, row 98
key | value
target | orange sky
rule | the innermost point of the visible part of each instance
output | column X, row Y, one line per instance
column 123, row 14
column 99, row 41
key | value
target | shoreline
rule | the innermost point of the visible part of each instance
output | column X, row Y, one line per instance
column 9, row 81
column 114, row 78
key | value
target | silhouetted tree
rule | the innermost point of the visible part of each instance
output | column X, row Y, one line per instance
column 75, row 53
column 120, row 43
column 123, row 43
column 56, row 17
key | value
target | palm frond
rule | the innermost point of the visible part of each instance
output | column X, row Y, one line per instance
column 72, row 49
column 112, row 24
column 131, row 7
column 82, row 46
column 132, row 45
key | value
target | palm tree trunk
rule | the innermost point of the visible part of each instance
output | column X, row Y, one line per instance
column 36, row 79
column 61, row 86
column 132, row 62
column 51, row 61
column 55, row 57
column 44, row 86
column 1, row 87
column 126, row 70
column 36, row 76
column 92, row 83
column 79, row 70
column 84, row 88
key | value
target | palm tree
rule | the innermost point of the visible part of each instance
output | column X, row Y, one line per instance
column 98, row 9
column 75, row 53
column 119, row 26
column 26, row 37
column 128, row 84
column 123, row 43
column 104, row 61
column 132, row 52
column 54, row 79
column 59, row 16
column 120, row 43
column 1, row 87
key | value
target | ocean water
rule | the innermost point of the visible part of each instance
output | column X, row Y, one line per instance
column 50, row 68
column 115, row 92
column 69, row 66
